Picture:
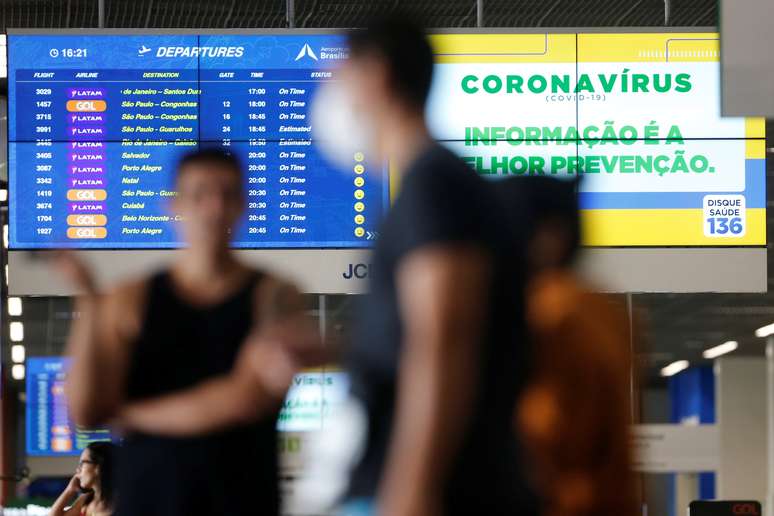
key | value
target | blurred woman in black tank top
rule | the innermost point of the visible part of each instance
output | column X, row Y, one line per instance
column 192, row 362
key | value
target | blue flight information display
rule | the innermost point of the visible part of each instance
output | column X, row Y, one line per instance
column 50, row 431
column 98, row 122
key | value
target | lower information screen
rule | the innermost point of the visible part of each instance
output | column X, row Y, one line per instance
column 50, row 431
column 312, row 397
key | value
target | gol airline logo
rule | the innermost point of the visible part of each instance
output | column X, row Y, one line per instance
column 80, row 232
column 744, row 509
column 86, row 195
column 86, row 220
column 79, row 106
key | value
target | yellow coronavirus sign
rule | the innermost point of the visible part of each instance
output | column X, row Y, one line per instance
column 635, row 116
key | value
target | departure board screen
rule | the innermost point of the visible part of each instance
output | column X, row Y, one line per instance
column 98, row 122
column 50, row 431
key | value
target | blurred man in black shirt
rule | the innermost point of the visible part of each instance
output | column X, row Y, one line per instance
column 437, row 361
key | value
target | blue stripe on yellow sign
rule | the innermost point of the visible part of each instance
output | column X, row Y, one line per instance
column 754, row 192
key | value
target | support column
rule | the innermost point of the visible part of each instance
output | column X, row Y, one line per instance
column 686, row 491
column 101, row 14
column 290, row 10
column 742, row 418
column 769, row 505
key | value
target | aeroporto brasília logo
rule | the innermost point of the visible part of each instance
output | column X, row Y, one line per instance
column 306, row 50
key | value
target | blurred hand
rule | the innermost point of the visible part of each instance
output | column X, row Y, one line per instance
column 276, row 354
column 76, row 272
column 74, row 486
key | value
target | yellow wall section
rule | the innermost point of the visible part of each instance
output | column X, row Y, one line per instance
column 560, row 48
column 663, row 228
column 755, row 127
column 755, row 149
column 648, row 47
column 504, row 48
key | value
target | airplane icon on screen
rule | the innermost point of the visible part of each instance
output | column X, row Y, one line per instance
column 143, row 50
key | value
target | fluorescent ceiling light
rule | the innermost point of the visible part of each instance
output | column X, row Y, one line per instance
column 3, row 195
column 14, row 306
column 18, row 353
column 722, row 349
column 675, row 367
column 765, row 331
column 17, row 371
column 17, row 331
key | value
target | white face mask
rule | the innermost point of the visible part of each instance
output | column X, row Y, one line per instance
column 338, row 128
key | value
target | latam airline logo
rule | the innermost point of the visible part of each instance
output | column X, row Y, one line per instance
column 306, row 50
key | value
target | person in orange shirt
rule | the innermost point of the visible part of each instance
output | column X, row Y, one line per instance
column 573, row 417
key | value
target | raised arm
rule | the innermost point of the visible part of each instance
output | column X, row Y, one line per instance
column 61, row 508
column 442, row 293
column 237, row 398
column 99, row 345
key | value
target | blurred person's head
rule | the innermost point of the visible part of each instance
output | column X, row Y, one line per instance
column 381, row 89
column 210, row 198
column 95, row 470
column 390, row 67
column 548, row 208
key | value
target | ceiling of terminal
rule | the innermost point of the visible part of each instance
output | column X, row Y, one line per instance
column 354, row 13
column 673, row 326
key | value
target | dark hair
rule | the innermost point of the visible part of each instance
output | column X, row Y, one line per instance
column 103, row 453
column 213, row 157
column 404, row 48
column 535, row 200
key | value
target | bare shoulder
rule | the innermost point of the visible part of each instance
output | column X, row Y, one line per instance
column 275, row 298
column 124, row 305
column 440, row 269
column 440, row 258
